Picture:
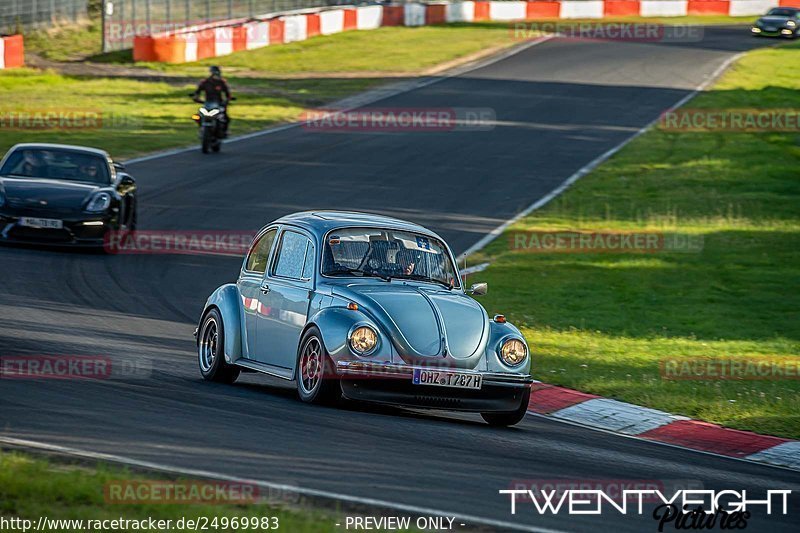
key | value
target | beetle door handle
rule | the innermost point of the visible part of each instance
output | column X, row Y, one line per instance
column 265, row 288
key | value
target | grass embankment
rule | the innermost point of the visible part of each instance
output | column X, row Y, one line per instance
column 601, row 322
column 31, row 488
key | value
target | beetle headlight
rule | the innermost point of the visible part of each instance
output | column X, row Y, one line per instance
column 513, row 352
column 99, row 202
column 363, row 340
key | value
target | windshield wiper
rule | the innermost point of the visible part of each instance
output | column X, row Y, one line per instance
column 362, row 273
column 420, row 277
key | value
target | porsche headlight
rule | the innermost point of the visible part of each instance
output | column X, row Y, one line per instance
column 791, row 23
column 363, row 340
column 513, row 352
column 99, row 202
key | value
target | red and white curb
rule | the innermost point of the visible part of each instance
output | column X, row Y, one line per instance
column 592, row 411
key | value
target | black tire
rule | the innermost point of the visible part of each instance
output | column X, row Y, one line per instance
column 325, row 389
column 134, row 217
column 210, row 342
column 216, row 147
column 207, row 140
column 511, row 417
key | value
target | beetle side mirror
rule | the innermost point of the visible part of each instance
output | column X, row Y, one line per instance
column 478, row 289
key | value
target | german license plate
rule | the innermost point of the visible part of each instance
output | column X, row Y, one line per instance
column 47, row 223
column 458, row 380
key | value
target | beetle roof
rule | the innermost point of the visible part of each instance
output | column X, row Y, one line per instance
column 321, row 222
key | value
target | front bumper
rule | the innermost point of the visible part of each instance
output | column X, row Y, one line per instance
column 392, row 384
column 75, row 230
column 778, row 32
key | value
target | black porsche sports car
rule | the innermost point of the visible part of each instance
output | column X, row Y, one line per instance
column 60, row 194
column 778, row 22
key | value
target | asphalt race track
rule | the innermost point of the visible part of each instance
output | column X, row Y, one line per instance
column 558, row 105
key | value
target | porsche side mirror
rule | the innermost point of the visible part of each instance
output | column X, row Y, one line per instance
column 478, row 289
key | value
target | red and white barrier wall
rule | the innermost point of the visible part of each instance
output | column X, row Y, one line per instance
column 12, row 51
column 221, row 38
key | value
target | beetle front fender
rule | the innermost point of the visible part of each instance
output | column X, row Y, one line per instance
column 227, row 300
column 498, row 332
column 335, row 323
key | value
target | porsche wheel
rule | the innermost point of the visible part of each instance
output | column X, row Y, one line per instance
column 210, row 342
column 508, row 418
column 316, row 378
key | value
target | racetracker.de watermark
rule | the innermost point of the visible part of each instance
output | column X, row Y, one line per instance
column 608, row 31
column 400, row 120
column 730, row 120
column 60, row 119
column 194, row 491
column 194, row 31
column 200, row 242
column 729, row 368
column 73, row 367
column 603, row 242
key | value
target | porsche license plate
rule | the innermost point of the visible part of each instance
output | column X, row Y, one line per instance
column 48, row 223
column 459, row 380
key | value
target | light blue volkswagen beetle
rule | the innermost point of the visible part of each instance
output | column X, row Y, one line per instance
column 369, row 307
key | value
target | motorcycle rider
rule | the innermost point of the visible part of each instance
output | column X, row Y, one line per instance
column 215, row 88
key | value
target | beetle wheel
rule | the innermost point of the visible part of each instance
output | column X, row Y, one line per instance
column 316, row 378
column 210, row 354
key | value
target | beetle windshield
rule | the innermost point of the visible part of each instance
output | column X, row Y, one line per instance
column 388, row 254
column 59, row 164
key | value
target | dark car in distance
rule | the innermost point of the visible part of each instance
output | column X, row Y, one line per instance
column 778, row 22
column 64, row 195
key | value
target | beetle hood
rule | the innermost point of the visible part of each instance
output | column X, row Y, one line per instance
column 424, row 321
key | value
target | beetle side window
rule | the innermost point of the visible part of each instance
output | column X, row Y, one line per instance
column 291, row 255
column 259, row 253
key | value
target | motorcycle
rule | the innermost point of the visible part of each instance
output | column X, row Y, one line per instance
column 211, row 119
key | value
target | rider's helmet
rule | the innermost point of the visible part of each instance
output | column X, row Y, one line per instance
column 215, row 71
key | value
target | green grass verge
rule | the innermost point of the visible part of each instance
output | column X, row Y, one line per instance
column 389, row 49
column 601, row 322
column 69, row 43
column 32, row 487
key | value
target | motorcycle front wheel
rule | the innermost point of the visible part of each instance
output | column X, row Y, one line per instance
column 208, row 140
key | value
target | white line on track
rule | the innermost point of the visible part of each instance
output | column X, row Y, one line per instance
column 290, row 489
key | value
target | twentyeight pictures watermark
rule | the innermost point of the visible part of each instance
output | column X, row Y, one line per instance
column 547, row 241
column 693, row 508
column 609, row 31
column 400, row 120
